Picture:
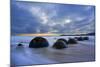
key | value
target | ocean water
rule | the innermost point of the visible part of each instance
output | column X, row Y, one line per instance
column 26, row 39
column 84, row 51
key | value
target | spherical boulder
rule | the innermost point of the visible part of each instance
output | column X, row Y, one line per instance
column 61, row 39
column 76, row 38
column 86, row 38
column 60, row 44
column 72, row 41
column 20, row 44
column 79, row 38
column 38, row 42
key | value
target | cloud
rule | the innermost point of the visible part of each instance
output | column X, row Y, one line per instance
column 39, row 13
column 47, row 17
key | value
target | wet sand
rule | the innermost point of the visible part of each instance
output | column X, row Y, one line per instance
column 81, row 52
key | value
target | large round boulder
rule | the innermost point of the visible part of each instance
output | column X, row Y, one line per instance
column 60, row 44
column 86, row 38
column 38, row 42
column 72, row 41
column 79, row 38
column 61, row 39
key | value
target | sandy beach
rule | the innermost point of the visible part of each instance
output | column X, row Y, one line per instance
column 81, row 52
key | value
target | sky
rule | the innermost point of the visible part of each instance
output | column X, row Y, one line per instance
column 36, row 17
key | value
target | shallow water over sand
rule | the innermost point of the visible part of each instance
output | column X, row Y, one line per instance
column 81, row 52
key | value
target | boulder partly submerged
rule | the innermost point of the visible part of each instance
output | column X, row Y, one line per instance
column 38, row 42
column 61, row 39
column 79, row 38
column 72, row 41
column 60, row 44
column 20, row 44
column 86, row 38
column 82, row 38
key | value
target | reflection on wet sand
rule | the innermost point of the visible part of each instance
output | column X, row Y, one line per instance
column 74, row 53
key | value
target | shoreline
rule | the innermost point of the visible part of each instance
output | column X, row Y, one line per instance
column 72, row 54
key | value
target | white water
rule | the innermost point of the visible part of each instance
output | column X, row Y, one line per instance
column 82, row 52
column 26, row 39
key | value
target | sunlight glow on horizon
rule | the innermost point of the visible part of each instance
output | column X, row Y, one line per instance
column 39, row 34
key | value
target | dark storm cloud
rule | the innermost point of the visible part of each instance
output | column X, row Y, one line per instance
column 46, row 17
column 22, row 21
